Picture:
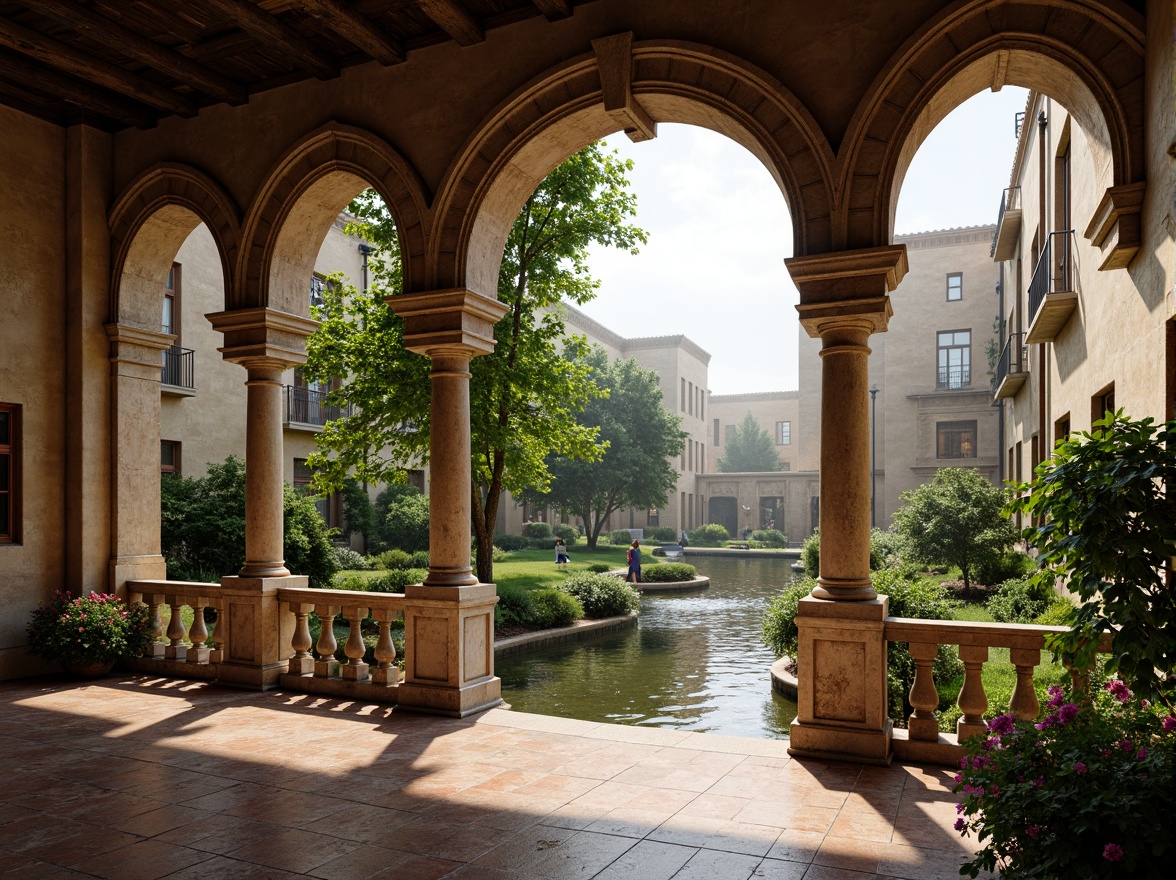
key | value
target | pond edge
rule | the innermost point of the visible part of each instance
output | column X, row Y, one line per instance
column 547, row 638
column 784, row 677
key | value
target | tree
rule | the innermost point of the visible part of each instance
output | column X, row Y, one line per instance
column 524, row 397
column 955, row 519
column 639, row 436
column 1105, row 528
column 749, row 449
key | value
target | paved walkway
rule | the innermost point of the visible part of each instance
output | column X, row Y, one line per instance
column 135, row 778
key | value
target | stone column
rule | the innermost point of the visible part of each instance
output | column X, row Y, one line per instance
column 449, row 619
column 841, row 662
column 256, row 633
column 135, row 370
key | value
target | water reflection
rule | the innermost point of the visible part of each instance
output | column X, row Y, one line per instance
column 694, row 663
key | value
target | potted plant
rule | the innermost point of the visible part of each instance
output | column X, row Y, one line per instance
column 87, row 634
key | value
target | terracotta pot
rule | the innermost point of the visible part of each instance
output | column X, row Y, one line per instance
column 87, row 668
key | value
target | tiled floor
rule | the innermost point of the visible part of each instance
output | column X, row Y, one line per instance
column 136, row 778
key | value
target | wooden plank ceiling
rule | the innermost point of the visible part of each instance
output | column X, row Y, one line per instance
column 120, row 63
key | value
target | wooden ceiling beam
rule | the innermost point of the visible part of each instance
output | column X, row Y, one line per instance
column 49, row 82
column 132, row 45
column 554, row 10
column 454, row 19
column 357, row 29
column 268, row 30
column 95, row 70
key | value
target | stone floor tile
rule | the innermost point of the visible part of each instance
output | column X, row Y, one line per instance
column 823, row 872
column 918, row 863
column 714, row 865
column 442, row 840
column 819, row 819
column 629, row 823
column 778, row 814
column 853, row 854
column 862, row 826
column 220, row 834
column 225, row 868
column 414, row 867
column 775, row 869
column 163, row 819
column 88, row 841
column 367, row 824
column 143, row 860
column 648, row 860
column 715, row 806
column 574, row 816
column 294, row 849
column 796, row 846
column 727, row 836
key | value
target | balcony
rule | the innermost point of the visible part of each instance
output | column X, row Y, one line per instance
column 1008, row 225
column 178, row 377
column 954, row 377
column 1011, row 369
column 1052, row 298
column 307, row 408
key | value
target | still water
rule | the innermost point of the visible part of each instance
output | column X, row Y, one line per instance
column 695, row 662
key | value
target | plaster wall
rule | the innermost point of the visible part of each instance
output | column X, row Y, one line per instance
column 767, row 408
column 32, row 368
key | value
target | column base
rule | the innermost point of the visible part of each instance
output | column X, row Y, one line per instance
column 833, row 743
column 449, row 650
column 257, row 633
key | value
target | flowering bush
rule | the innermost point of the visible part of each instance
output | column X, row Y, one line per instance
column 85, row 629
column 1084, row 792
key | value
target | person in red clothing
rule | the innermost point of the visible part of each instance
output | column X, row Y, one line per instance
column 634, row 557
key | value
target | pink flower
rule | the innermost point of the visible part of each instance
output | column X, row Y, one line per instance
column 1141, row 754
column 960, row 807
column 81, row 629
column 1002, row 725
column 1056, row 696
column 1169, row 723
column 959, row 777
column 1126, row 745
column 1067, row 713
column 1079, row 768
column 1112, row 852
column 1033, row 831
column 1119, row 690
column 960, row 825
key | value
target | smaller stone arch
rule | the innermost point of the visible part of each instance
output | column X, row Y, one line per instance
column 149, row 222
column 301, row 197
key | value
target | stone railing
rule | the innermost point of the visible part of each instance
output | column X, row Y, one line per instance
column 922, row 739
column 184, row 652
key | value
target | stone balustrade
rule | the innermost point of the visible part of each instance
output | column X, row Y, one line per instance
column 184, row 650
column 922, row 739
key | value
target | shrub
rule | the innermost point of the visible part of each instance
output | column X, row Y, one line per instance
column 395, row 581
column 1059, row 613
column 810, row 554
column 98, row 628
column 515, row 605
column 512, row 543
column 1019, row 601
column 885, row 549
column 710, row 535
column 348, row 560
column 662, row 533
column 620, row 537
column 570, row 534
column 555, row 608
column 602, row 595
column 1075, row 794
column 668, row 573
column 358, row 512
column 392, row 559
column 998, row 568
column 345, row 581
column 536, row 530
column 770, row 537
column 419, row 559
column 308, row 540
column 600, row 567
column 407, row 522
column 779, row 623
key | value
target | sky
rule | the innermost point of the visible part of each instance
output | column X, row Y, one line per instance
column 719, row 233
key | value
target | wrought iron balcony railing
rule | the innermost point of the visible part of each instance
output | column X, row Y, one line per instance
column 307, row 406
column 954, row 377
column 1052, row 273
column 1011, row 370
column 179, row 367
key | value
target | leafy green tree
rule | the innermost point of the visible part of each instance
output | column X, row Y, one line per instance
column 1106, row 529
column 358, row 513
column 524, row 397
column 407, row 522
column 955, row 519
column 639, row 436
column 749, row 449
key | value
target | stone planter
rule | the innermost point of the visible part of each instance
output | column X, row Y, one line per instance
column 87, row 668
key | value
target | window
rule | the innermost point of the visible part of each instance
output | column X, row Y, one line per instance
column 955, row 439
column 318, row 291
column 955, row 286
column 701, row 402
column 954, row 359
column 1102, row 403
column 9, row 473
column 729, row 434
column 716, row 440
column 302, row 478
column 171, row 303
column 783, row 433
column 169, row 456
column 682, row 397
column 690, row 385
column 1062, row 429
column 652, row 518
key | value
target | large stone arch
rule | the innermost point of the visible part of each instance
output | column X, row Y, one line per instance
column 1087, row 56
column 300, row 198
column 563, row 110
column 148, row 224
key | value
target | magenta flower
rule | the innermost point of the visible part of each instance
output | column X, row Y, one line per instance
column 1033, row 831
column 959, row 777
column 960, row 807
column 960, row 825
column 1002, row 725
column 1112, row 852
column 1067, row 713
column 1126, row 745
column 1169, row 723
column 1141, row 754
column 1079, row 768
column 1119, row 690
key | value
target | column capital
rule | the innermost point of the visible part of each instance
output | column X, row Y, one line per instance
column 849, row 318
column 847, row 286
column 263, row 336
column 456, row 323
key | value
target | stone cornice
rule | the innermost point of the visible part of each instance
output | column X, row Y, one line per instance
column 263, row 334
column 452, row 322
column 848, row 275
column 1115, row 227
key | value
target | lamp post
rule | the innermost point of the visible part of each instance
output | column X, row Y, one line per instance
column 873, row 452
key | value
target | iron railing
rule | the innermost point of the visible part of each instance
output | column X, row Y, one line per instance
column 954, row 377
column 179, row 367
column 1010, row 200
column 1052, row 273
column 1011, row 358
column 307, row 406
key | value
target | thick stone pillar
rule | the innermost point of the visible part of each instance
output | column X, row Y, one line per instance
column 449, row 619
column 257, row 634
column 841, row 660
column 135, row 358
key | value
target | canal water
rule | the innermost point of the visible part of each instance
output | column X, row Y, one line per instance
column 695, row 662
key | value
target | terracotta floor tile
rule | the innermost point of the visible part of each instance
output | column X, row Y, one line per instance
column 366, row 824
column 414, row 867
column 629, row 823
column 796, row 846
column 859, row 826
column 458, row 843
column 818, row 819
column 225, row 868
column 143, row 860
column 715, row 806
column 714, row 865
column 295, row 850
column 823, row 872
column 648, row 860
column 726, row 836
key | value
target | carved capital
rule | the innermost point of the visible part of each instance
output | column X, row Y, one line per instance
column 866, row 274
column 448, row 323
column 263, row 336
column 1115, row 227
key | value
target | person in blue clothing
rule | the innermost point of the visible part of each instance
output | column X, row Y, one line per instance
column 634, row 557
column 561, row 552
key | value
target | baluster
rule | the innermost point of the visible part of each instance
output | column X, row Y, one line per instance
column 176, row 648
column 326, row 666
column 386, row 671
column 923, row 725
column 973, row 702
column 1024, row 703
column 302, row 663
column 355, row 669
column 154, row 601
column 198, row 632
column 217, row 654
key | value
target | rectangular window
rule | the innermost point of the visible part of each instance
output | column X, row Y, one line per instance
column 783, row 433
column 169, row 456
column 716, row 440
column 1102, row 403
column 955, row 286
column 690, row 454
column 171, row 303
column 652, row 518
column 690, row 397
column 9, row 473
column 955, row 439
column 318, row 291
column 954, row 358
column 1062, row 429
column 302, row 478
column 682, row 398
column 701, row 401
